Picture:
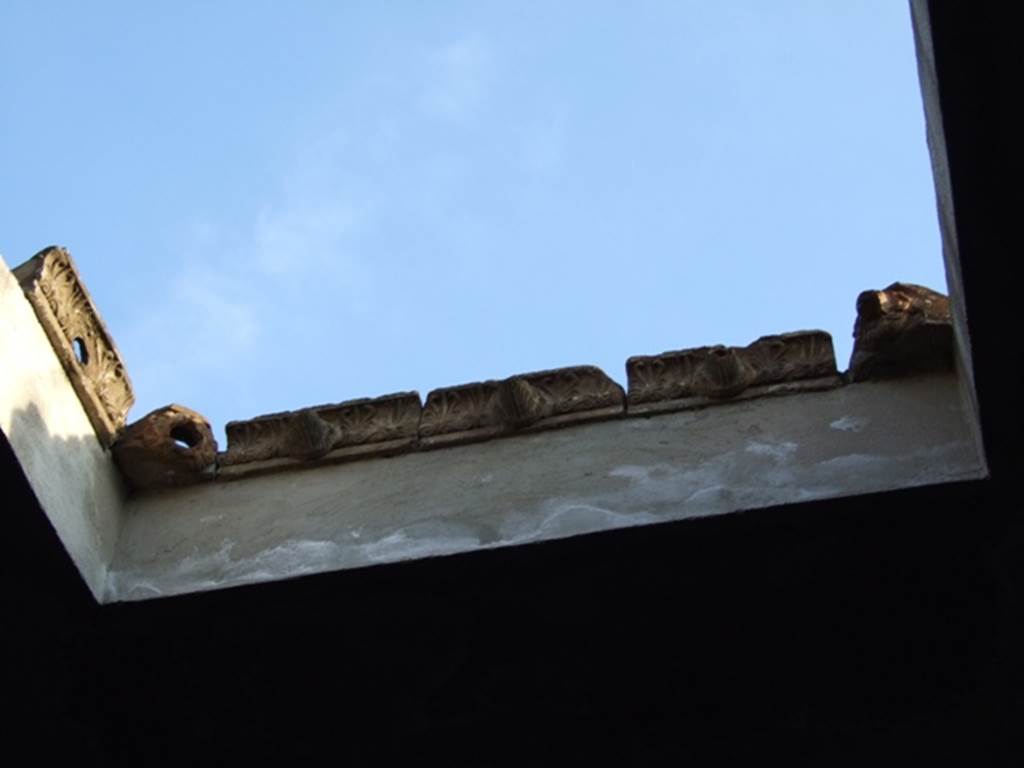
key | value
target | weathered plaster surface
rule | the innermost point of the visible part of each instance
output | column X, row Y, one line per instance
column 857, row 439
column 70, row 472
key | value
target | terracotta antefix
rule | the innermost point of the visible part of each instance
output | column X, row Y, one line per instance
column 80, row 339
column 902, row 329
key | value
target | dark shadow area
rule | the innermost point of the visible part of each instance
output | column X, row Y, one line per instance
column 884, row 628
column 837, row 629
column 49, row 617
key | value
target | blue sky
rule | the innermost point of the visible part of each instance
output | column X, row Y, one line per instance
column 279, row 205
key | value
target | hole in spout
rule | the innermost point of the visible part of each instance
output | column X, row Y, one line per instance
column 185, row 436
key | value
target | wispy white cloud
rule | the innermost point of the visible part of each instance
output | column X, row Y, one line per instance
column 306, row 260
column 241, row 288
column 301, row 237
column 214, row 314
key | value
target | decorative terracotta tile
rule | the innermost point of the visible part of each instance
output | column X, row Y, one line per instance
column 323, row 434
column 693, row 378
column 81, row 341
column 531, row 401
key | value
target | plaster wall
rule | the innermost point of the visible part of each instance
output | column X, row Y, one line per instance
column 745, row 455
column 70, row 472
